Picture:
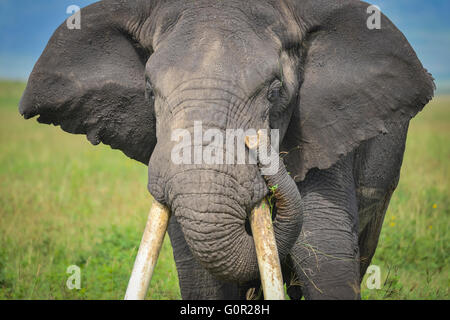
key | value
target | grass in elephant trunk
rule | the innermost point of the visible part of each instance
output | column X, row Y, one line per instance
column 64, row 202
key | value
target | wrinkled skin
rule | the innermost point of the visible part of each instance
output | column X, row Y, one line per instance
column 340, row 94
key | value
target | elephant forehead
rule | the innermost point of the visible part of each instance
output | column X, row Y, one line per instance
column 258, row 15
column 215, row 63
column 233, row 41
column 214, row 67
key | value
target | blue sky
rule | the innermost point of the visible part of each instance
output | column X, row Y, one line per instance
column 26, row 26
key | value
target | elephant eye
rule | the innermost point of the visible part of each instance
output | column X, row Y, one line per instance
column 274, row 92
column 149, row 93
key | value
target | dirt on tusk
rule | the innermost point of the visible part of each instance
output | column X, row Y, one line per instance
column 266, row 252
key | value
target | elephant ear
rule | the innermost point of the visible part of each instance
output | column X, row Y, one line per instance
column 354, row 80
column 91, row 80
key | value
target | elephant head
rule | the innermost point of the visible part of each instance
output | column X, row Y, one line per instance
column 137, row 71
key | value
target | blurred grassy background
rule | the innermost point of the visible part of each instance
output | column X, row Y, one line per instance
column 64, row 202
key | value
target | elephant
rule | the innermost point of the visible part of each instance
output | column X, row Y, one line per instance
column 340, row 94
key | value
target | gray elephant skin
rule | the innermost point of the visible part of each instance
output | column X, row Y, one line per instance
column 340, row 94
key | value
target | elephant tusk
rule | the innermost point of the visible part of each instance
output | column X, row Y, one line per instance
column 148, row 253
column 252, row 142
column 266, row 252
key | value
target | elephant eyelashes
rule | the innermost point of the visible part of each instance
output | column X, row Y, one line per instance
column 149, row 93
column 274, row 92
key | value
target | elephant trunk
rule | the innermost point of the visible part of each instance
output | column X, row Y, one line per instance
column 213, row 202
column 287, row 208
column 214, row 224
column 285, row 200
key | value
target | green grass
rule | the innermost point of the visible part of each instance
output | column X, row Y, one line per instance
column 64, row 202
